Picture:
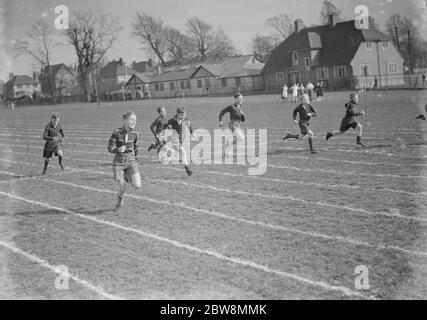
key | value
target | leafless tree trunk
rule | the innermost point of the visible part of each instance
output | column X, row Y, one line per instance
column 38, row 45
column 150, row 32
column 92, row 34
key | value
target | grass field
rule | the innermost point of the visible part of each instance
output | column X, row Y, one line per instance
column 297, row 232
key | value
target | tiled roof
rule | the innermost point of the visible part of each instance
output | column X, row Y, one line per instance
column 337, row 45
column 21, row 80
column 114, row 69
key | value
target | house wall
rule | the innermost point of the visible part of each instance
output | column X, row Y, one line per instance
column 378, row 60
column 16, row 91
column 247, row 84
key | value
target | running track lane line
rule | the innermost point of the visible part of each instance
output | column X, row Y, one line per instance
column 250, row 222
column 246, row 263
column 12, row 247
column 289, row 198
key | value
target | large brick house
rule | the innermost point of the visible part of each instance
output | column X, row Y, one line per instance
column 59, row 80
column 114, row 76
column 338, row 54
column 19, row 86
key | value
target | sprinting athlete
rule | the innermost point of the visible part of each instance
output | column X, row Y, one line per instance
column 305, row 111
column 124, row 144
column 157, row 127
column 53, row 135
column 177, row 123
column 236, row 117
column 348, row 121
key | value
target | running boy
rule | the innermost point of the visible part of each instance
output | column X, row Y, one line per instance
column 177, row 123
column 124, row 144
column 159, row 125
column 305, row 111
column 53, row 135
column 348, row 121
column 236, row 117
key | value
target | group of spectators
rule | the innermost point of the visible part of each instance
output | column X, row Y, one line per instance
column 298, row 89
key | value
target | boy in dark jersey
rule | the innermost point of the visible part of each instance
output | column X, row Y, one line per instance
column 305, row 111
column 124, row 144
column 159, row 125
column 348, row 121
column 177, row 124
column 53, row 135
column 236, row 117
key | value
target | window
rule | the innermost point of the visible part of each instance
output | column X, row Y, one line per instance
column 224, row 82
column 369, row 45
column 162, row 86
column 182, row 85
column 172, row 86
column 392, row 68
column 199, row 83
column 279, row 76
column 385, row 45
column 365, row 70
column 307, row 62
column 207, row 83
column 188, row 84
column 322, row 73
column 295, row 58
column 238, row 82
column 156, row 87
column 339, row 72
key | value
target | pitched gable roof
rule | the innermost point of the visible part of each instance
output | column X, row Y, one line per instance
column 337, row 45
column 228, row 67
column 21, row 80
column 116, row 68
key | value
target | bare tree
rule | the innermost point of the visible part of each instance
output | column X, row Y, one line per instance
column 150, row 32
column 407, row 39
column 207, row 41
column 178, row 44
column 329, row 7
column 283, row 24
column 201, row 34
column 38, row 44
column 92, row 34
column 262, row 46
column 222, row 46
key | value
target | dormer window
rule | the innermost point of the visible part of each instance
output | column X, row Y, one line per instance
column 295, row 58
column 368, row 45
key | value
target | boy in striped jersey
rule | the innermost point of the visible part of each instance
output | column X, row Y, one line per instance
column 124, row 144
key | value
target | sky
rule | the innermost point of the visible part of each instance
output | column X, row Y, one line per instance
column 240, row 19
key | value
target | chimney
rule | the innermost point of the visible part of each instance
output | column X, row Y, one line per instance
column 332, row 20
column 159, row 69
column 298, row 25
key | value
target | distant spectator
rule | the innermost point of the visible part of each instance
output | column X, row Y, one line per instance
column 285, row 93
column 300, row 89
column 294, row 92
column 310, row 90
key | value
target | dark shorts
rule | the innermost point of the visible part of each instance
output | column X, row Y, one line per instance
column 346, row 124
column 304, row 127
column 159, row 143
column 125, row 171
column 49, row 152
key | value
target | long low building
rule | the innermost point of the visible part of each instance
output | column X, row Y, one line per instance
column 234, row 74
